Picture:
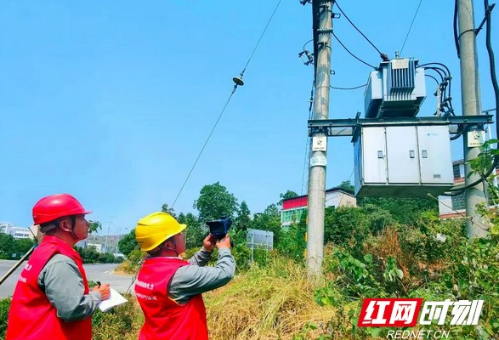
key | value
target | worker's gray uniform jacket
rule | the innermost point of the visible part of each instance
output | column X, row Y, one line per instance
column 197, row 279
column 61, row 281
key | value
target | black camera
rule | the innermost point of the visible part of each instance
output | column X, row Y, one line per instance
column 220, row 228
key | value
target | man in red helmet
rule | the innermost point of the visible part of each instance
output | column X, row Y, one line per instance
column 52, row 299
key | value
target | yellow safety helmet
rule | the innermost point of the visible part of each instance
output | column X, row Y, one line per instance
column 156, row 228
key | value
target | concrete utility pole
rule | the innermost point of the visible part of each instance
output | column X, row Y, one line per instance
column 318, row 160
column 471, row 104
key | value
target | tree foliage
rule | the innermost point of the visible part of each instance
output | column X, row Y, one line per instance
column 12, row 248
column 345, row 223
column 347, row 186
column 243, row 219
column 7, row 247
column 91, row 255
column 269, row 220
column 287, row 195
column 403, row 210
column 195, row 233
column 272, row 210
column 128, row 243
column 241, row 224
column 214, row 202
column 166, row 209
column 94, row 226
column 23, row 245
column 292, row 240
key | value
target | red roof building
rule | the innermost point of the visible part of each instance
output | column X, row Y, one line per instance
column 292, row 208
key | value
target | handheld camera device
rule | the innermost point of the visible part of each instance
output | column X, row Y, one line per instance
column 220, row 228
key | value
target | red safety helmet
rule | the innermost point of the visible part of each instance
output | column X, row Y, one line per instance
column 53, row 207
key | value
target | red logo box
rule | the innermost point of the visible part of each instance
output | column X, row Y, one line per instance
column 389, row 312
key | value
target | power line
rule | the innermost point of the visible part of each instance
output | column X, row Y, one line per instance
column 348, row 88
column 432, row 77
column 261, row 36
column 349, row 52
column 382, row 55
column 307, row 148
column 237, row 81
column 470, row 218
column 204, row 145
column 307, row 143
column 351, row 174
column 410, row 27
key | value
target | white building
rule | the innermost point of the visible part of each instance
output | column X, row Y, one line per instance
column 454, row 206
column 16, row 232
column 97, row 246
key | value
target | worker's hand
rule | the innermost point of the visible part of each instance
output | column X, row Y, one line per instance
column 224, row 243
column 209, row 242
column 104, row 290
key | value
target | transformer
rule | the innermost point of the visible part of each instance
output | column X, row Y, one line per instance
column 396, row 89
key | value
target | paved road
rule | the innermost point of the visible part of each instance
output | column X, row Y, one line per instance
column 95, row 272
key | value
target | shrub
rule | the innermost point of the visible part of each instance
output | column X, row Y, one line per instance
column 4, row 313
column 120, row 323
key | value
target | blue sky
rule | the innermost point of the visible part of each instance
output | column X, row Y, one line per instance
column 111, row 101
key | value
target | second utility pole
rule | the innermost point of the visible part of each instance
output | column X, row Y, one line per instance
column 322, row 11
column 471, row 104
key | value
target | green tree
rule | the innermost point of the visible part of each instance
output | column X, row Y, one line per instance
column 194, row 231
column 269, row 220
column 292, row 239
column 241, row 224
column 346, row 185
column 340, row 224
column 288, row 194
column 272, row 210
column 344, row 223
column 4, row 315
column 166, row 209
column 403, row 210
column 214, row 202
column 243, row 219
column 7, row 246
column 88, row 254
column 128, row 243
column 94, row 226
column 22, row 246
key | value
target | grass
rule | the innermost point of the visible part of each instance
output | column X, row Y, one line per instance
column 265, row 303
column 274, row 302
column 120, row 323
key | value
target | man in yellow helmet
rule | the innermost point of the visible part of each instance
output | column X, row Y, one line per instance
column 168, row 288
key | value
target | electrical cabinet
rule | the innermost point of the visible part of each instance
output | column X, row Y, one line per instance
column 402, row 161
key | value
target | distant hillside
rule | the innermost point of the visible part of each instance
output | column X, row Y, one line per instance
column 111, row 241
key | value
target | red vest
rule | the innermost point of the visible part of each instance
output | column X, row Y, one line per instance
column 31, row 316
column 164, row 318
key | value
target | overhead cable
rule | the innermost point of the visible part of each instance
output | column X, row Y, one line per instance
column 410, row 26
column 238, row 81
column 348, row 88
column 261, row 36
column 381, row 54
column 353, row 55
column 307, row 143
